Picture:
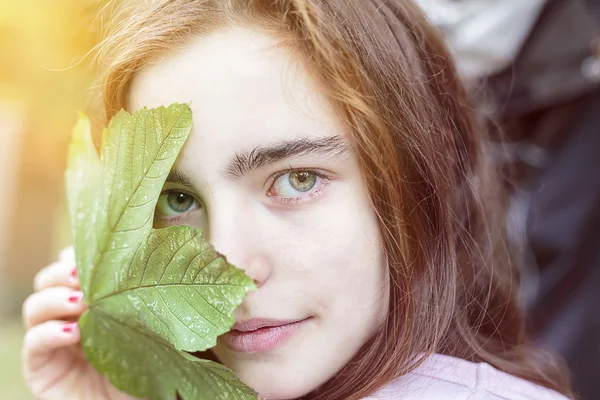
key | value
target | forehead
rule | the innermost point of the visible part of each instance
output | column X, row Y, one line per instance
column 244, row 90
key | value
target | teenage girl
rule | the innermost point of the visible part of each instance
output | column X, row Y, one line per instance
column 334, row 157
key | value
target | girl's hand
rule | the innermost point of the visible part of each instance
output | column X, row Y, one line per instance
column 54, row 365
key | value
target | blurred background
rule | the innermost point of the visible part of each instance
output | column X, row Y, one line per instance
column 533, row 65
column 40, row 91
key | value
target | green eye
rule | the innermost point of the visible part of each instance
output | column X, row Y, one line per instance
column 174, row 203
column 298, row 185
column 295, row 183
column 302, row 181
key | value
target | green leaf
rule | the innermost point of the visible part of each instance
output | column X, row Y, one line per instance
column 153, row 295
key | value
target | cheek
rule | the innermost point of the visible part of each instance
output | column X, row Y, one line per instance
column 356, row 287
column 339, row 258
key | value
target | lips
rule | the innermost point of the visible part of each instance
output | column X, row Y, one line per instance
column 261, row 335
column 258, row 323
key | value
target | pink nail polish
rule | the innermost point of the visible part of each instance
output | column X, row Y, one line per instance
column 69, row 327
column 74, row 272
column 76, row 297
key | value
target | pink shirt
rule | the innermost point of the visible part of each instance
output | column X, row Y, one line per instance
column 447, row 378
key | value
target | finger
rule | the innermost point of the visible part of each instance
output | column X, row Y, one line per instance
column 50, row 304
column 41, row 340
column 56, row 274
column 67, row 254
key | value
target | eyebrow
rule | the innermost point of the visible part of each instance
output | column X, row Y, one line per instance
column 181, row 179
column 259, row 157
column 245, row 162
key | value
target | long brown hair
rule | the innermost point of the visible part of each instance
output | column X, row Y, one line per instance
column 422, row 152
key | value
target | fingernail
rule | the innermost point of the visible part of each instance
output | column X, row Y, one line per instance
column 76, row 297
column 69, row 327
column 74, row 272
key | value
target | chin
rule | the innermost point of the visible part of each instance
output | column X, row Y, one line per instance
column 274, row 376
column 279, row 395
column 278, row 390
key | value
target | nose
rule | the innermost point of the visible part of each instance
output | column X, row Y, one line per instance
column 234, row 233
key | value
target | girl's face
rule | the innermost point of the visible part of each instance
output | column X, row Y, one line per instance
column 270, row 177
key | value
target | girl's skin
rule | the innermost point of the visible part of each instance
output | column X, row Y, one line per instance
column 309, row 238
